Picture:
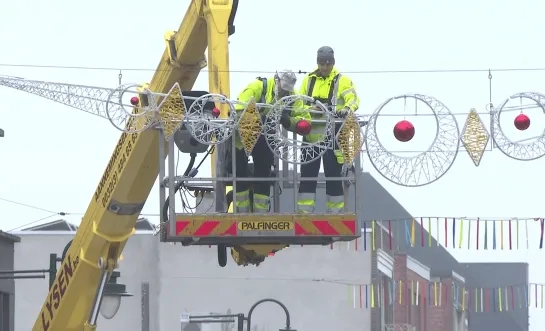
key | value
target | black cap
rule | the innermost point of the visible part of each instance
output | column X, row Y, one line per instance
column 325, row 55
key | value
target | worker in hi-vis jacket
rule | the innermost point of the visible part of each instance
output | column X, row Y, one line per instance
column 264, row 91
column 329, row 86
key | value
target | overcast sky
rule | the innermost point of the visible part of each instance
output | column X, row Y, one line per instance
column 53, row 156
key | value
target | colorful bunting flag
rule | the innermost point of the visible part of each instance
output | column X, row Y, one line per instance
column 436, row 294
column 498, row 234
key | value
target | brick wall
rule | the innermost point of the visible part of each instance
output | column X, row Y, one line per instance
column 425, row 316
column 442, row 316
column 431, row 317
column 381, row 242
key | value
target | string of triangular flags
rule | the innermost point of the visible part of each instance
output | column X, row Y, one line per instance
column 452, row 232
column 439, row 294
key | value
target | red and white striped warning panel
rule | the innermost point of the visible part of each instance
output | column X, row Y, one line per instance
column 220, row 225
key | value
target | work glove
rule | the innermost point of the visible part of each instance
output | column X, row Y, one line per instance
column 285, row 118
column 339, row 156
column 343, row 113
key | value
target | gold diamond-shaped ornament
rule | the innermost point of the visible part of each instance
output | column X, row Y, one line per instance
column 250, row 126
column 475, row 137
column 172, row 111
column 350, row 139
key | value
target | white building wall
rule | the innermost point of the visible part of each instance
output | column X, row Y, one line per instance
column 188, row 279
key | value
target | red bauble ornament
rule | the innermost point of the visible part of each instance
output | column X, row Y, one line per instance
column 135, row 101
column 303, row 127
column 522, row 122
column 216, row 112
column 404, row 131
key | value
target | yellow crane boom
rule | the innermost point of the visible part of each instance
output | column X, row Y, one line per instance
column 131, row 172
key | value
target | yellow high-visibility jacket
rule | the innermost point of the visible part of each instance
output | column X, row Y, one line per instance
column 324, row 89
column 266, row 95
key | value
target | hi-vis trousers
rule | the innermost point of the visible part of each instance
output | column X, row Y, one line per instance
column 333, row 164
column 263, row 161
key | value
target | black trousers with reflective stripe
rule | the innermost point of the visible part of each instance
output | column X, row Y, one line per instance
column 263, row 160
column 331, row 169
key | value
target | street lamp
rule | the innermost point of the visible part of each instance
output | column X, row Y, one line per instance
column 288, row 320
column 113, row 291
column 239, row 318
column 111, row 298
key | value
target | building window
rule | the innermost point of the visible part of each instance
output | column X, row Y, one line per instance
column 459, row 320
column 4, row 311
column 387, row 307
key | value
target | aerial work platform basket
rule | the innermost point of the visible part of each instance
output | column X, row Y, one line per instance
column 216, row 223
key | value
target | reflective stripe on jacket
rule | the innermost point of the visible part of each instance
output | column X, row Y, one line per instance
column 335, row 89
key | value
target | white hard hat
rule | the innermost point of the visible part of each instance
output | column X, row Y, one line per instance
column 286, row 79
